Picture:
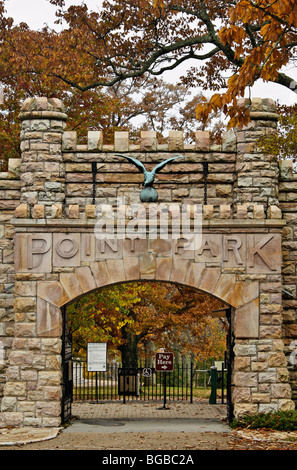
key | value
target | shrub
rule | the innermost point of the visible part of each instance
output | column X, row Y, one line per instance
column 277, row 420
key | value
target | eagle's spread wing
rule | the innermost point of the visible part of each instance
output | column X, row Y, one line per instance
column 137, row 163
column 162, row 164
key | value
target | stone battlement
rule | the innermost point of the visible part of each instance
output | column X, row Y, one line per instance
column 88, row 212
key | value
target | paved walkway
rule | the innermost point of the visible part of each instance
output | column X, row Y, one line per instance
column 130, row 417
column 153, row 410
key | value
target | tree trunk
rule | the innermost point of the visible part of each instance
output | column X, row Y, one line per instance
column 129, row 349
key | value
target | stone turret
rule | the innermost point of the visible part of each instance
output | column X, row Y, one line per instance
column 42, row 169
column 257, row 172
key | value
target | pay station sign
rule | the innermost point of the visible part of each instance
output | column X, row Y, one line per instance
column 164, row 361
column 97, row 357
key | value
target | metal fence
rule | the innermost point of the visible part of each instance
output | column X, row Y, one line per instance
column 142, row 383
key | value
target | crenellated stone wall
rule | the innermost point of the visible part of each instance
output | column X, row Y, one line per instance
column 50, row 254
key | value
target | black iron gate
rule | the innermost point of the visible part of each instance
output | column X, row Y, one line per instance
column 67, row 379
column 229, row 363
column 143, row 383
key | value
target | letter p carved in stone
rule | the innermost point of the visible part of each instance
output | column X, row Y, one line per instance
column 33, row 252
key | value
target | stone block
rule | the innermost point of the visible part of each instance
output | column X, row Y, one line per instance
column 274, row 212
column 95, row 140
column 71, row 285
column 258, row 211
column 24, row 304
column 85, row 278
column 49, row 319
column 90, row 211
column 245, row 379
column 8, row 404
column 246, row 324
column 229, row 141
column 22, row 211
column 225, row 211
column 38, row 211
column 69, row 141
column 49, row 378
column 224, row 285
column 57, row 211
column 202, row 141
column 179, row 269
column 115, row 270
column 241, row 211
column 194, row 274
column 53, row 292
column 15, row 389
column 163, row 268
column 121, row 141
column 73, row 211
column 147, row 266
column 286, row 169
column 208, row 211
column 148, row 140
column 176, row 140
column 14, row 167
column 209, row 278
column 131, row 268
column 100, row 273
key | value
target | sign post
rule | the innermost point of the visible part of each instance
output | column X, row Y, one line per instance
column 164, row 363
column 96, row 362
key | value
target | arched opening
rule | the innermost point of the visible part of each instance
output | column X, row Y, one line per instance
column 131, row 323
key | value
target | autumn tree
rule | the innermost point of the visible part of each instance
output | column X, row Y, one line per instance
column 283, row 141
column 131, row 316
column 234, row 44
column 109, row 109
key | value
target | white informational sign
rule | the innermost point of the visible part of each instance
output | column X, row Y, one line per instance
column 97, row 357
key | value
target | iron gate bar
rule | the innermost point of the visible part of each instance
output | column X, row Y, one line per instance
column 94, row 174
column 102, row 386
column 205, row 173
column 67, row 371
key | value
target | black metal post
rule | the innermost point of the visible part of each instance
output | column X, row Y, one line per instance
column 192, row 377
column 94, row 173
column 124, row 385
column 222, row 382
column 205, row 173
column 164, row 387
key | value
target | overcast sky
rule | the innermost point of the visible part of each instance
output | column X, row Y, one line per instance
column 37, row 13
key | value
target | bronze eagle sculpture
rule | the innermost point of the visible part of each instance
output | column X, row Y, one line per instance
column 148, row 194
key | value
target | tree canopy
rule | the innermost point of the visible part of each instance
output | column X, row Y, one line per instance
column 234, row 43
column 132, row 316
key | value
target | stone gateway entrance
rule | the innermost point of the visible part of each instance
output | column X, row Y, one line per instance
column 52, row 254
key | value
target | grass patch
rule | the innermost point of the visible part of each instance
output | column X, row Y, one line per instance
column 277, row 420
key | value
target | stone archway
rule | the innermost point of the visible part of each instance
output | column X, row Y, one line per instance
column 61, row 274
column 56, row 256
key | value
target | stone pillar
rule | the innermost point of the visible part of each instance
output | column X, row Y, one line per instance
column 257, row 172
column 42, row 169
